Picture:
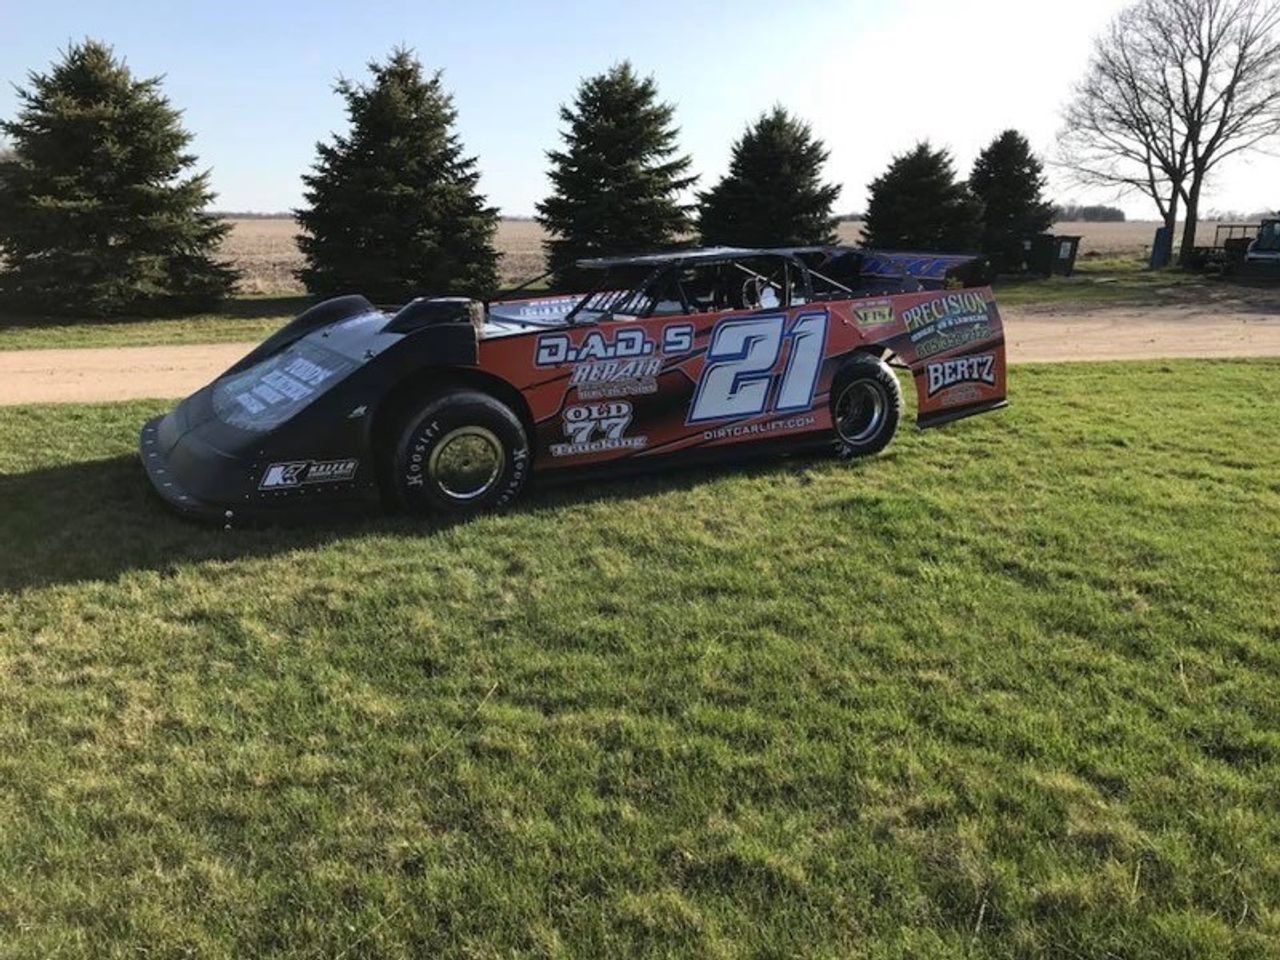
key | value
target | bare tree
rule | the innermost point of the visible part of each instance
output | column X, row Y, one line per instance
column 1175, row 87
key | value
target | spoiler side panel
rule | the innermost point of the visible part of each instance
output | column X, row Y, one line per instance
column 953, row 341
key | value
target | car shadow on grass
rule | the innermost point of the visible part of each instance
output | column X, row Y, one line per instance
column 99, row 519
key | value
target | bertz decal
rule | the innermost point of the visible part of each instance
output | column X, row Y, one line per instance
column 296, row 473
column 948, row 373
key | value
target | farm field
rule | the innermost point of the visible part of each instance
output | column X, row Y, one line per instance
column 1010, row 689
column 264, row 248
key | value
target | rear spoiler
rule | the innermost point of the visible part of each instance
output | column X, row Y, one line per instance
column 935, row 271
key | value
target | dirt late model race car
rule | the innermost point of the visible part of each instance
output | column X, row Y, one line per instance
column 449, row 405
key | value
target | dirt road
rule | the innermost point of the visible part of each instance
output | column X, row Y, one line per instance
column 112, row 373
column 1033, row 334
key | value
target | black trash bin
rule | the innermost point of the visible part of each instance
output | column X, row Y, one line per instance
column 1048, row 254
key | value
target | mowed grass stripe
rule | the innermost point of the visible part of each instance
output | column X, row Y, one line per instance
column 1010, row 689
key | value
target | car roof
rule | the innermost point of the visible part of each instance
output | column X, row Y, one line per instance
column 692, row 255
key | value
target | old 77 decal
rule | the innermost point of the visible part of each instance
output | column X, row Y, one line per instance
column 738, row 373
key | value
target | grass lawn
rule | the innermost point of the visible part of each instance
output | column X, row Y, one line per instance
column 1011, row 689
column 1113, row 280
column 244, row 318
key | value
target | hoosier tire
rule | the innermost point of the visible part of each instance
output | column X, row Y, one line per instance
column 866, row 405
column 460, row 453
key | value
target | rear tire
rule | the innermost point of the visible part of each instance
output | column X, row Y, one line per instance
column 866, row 405
column 459, row 453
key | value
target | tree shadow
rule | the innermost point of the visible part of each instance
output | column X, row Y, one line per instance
column 265, row 308
column 238, row 308
column 99, row 519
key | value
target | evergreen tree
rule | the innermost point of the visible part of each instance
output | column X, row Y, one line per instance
column 917, row 205
column 1009, row 181
column 773, row 194
column 393, row 211
column 616, row 181
column 99, row 213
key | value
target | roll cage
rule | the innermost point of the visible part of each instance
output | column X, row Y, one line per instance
column 715, row 279
column 691, row 282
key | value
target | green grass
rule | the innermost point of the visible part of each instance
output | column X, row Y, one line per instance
column 1011, row 689
column 1106, row 281
column 244, row 318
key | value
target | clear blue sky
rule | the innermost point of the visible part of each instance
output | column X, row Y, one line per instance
column 255, row 79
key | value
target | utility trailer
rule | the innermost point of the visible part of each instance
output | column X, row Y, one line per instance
column 1230, row 244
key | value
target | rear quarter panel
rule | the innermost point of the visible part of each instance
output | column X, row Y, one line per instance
column 953, row 342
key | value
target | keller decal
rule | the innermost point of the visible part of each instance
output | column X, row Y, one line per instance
column 297, row 473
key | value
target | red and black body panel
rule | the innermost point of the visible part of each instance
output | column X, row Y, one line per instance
column 656, row 374
column 299, row 422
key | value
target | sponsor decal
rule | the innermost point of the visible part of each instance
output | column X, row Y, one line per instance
column 296, row 383
column 297, row 473
column 596, row 427
column 947, row 322
column 954, row 306
column 949, row 373
column 554, row 349
column 603, row 379
column 960, row 395
column 875, row 314
column 952, row 339
column 614, row 362
column 757, row 429
column 549, row 308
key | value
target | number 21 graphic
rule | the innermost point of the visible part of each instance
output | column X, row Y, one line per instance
column 738, row 372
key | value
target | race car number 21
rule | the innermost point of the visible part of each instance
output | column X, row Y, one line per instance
column 737, row 379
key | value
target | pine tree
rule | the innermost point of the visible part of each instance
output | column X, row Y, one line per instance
column 917, row 205
column 773, row 194
column 616, row 182
column 99, row 213
column 1009, row 181
column 393, row 210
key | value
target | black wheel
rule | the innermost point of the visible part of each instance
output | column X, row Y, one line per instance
column 459, row 453
column 866, row 405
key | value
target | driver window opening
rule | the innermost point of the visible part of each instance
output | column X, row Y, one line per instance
column 748, row 285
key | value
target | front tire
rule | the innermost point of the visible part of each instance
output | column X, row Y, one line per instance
column 460, row 453
column 866, row 405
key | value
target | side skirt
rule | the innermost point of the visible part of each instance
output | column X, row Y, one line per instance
column 959, row 413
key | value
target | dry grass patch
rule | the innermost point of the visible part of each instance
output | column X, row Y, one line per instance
column 265, row 250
